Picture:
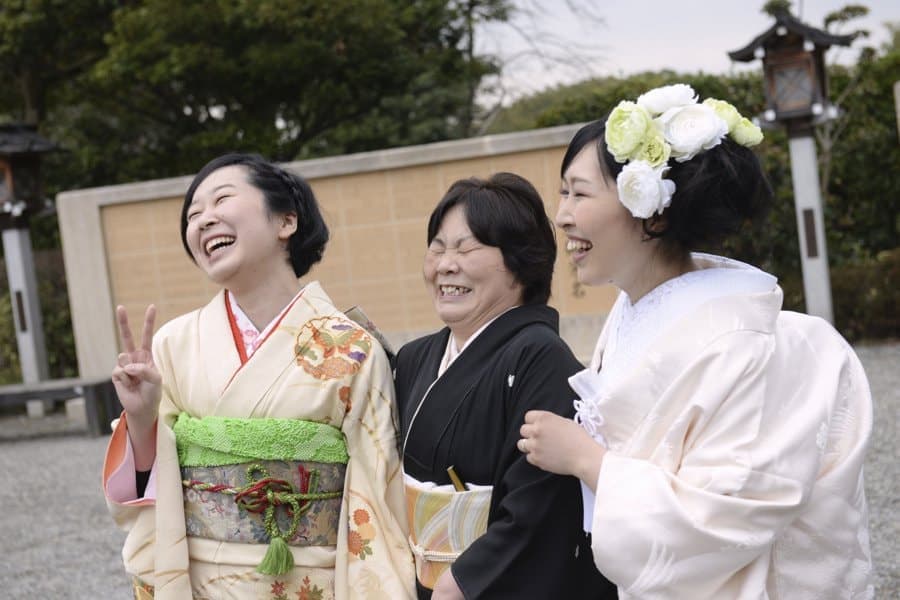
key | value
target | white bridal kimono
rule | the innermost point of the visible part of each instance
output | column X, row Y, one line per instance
column 314, row 365
column 736, row 435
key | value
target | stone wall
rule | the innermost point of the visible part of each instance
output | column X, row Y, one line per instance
column 122, row 244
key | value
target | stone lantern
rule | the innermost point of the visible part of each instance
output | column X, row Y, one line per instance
column 21, row 195
column 796, row 87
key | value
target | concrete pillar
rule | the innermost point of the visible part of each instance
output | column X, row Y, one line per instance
column 26, row 306
column 811, row 227
column 897, row 104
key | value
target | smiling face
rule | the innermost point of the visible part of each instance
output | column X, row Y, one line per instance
column 605, row 242
column 468, row 281
column 230, row 232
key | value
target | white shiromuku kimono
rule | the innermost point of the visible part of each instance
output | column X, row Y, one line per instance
column 736, row 434
column 314, row 365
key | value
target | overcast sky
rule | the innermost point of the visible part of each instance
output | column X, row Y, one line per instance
column 650, row 35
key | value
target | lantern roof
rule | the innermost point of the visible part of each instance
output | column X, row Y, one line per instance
column 18, row 139
column 819, row 37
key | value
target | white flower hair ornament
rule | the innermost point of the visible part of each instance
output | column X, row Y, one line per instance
column 667, row 123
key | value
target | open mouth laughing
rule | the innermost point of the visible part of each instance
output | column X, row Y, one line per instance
column 453, row 290
column 578, row 246
column 217, row 243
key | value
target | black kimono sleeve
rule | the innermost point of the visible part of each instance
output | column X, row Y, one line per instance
column 534, row 546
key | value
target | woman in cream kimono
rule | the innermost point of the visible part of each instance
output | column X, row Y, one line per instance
column 257, row 453
column 721, row 440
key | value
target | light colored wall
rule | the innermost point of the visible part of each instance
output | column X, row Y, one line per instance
column 121, row 244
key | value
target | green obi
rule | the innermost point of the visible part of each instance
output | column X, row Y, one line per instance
column 214, row 441
column 262, row 481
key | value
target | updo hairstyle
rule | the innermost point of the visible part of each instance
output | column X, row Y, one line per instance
column 716, row 192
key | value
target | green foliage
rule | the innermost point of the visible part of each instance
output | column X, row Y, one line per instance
column 846, row 14
column 862, row 203
column 44, row 44
column 59, row 339
column 9, row 357
column 866, row 297
column 154, row 88
column 438, row 102
column 773, row 7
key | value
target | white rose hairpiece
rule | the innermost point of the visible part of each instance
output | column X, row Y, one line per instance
column 667, row 123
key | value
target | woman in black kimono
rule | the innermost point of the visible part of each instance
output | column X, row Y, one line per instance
column 463, row 392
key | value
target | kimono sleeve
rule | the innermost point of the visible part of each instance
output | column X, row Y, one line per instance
column 744, row 452
column 119, row 477
column 373, row 556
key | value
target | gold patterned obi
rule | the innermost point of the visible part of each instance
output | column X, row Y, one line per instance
column 141, row 590
column 261, row 481
column 442, row 524
column 231, row 503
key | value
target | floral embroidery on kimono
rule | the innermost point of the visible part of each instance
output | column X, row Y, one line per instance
column 314, row 365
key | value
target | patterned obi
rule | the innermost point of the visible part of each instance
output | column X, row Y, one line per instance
column 142, row 591
column 230, row 503
column 252, row 480
column 443, row 523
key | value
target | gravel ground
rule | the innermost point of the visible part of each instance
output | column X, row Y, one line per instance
column 60, row 542
column 882, row 364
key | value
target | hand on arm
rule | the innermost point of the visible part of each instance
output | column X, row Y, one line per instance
column 138, row 386
column 446, row 588
column 559, row 445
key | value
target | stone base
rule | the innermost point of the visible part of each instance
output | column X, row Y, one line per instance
column 38, row 408
column 75, row 410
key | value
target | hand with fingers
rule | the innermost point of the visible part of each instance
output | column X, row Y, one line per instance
column 559, row 445
column 446, row 588
column 136, row 379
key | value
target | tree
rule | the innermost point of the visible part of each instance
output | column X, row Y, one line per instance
column 40, row 50
column 153, row 88
column 518, row 40
column 440, row 101
column 861, row 189
column 184, row 81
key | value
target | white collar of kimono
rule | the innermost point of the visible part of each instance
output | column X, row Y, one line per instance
column 250, row 335
column 453, row 351
column 634, row 327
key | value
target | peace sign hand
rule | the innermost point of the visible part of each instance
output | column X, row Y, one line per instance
column 136, row 379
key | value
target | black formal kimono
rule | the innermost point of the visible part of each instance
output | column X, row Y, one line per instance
column 469, row 418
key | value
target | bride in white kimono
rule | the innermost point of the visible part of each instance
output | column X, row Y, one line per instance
column 719, row 440
column 257, row 453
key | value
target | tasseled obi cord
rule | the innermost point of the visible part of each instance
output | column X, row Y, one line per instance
column 211, row 448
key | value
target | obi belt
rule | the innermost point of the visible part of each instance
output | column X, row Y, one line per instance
column 443, row 522
column 262, row 481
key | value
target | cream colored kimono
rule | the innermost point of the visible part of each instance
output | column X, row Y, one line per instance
column 308, row 368
column 736, row 437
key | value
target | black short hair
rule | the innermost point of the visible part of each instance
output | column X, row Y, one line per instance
column 505, row 211
column 716, row 192
column 285, row 192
